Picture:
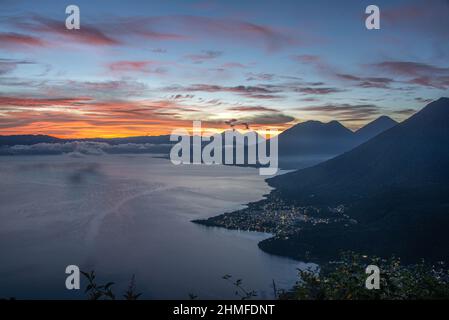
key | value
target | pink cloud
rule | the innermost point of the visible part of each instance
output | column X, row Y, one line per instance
column 144, row 66
column 15, row 39
column 86, row 35
column 409, row 68
column 165, row 28
column 41, row 102
column 417, row 73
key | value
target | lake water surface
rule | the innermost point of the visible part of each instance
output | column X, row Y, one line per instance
column 129, row 214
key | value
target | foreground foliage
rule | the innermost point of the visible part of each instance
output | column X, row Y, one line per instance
column 345, row 280
column 97, row 291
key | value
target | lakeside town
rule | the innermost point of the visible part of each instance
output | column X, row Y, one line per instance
column 277, row 216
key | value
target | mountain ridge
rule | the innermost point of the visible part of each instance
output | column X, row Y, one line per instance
column 311, row 142
column 374, row 128
column 394, row 186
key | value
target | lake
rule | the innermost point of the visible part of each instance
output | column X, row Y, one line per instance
column 129, row 214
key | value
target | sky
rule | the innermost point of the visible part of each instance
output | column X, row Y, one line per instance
column 148, row 67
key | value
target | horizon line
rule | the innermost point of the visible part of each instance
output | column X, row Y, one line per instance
column 206, row 129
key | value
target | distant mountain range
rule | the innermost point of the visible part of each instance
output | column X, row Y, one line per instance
column 374, row 128
column 300, row 146
column 315, row 138
column 34, row 139
column 27, row 140
column 395, row 186
column 312, row 142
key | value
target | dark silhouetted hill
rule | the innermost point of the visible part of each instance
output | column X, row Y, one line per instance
column 26, row 140
column 314, row 137
column 312, row 142
column 396, row 186
column 374, row 128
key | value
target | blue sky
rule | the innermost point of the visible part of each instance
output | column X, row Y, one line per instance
column 147, row 67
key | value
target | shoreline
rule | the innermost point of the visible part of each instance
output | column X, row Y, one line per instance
column 286, row 221
column 216, row 222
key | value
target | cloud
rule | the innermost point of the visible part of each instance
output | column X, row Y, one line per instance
column 6, row 68
column 307, row 58
column 318, row 91
column 9, row 65
column 345, row 111
column 409, row 68
column 182, row 96
column 82, row 148
column 416, row 73
column 144, row 66
column 86, row 117
column 129, row 65
column 260, row 76
column 256, row 92
column 102, row 90
column 120, row 30
column 435, row 82
column 237, row 89
column 263, row 91
column 428, row 17
column 367, row 82
column 107, row 85
column 315, row 61
column 105, row 90
column 272, row 38
column 88, row 34
column 104, row 33
column 423, row 100
column 227, row 29
column 155, row 28
column 252, row 109
column 268, row 119
column 233, row 65
column 406, row 112
column 332, row 72
column 40, row 102
column 16, row 40
column 399, row 72
column 159, row 50
column 204, row 56
column 80, row 110
column 263, row 96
